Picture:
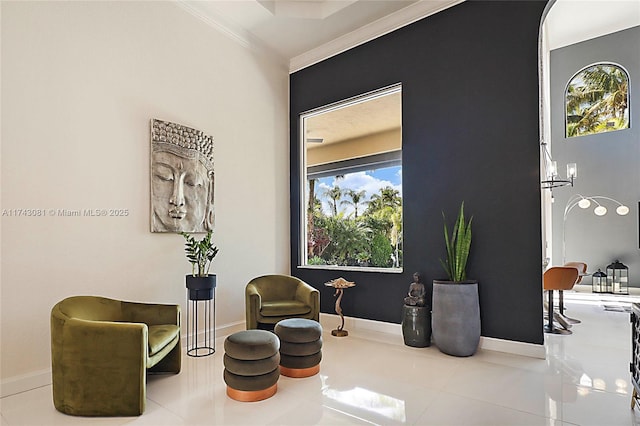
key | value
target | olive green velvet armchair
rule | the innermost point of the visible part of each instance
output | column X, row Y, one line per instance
column 101, row 350
column 271, row 298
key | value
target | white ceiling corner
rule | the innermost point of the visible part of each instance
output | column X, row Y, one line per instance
column 304, row 32
column 573, row 21
column 305, row 9
column 226, row 23
column 300, row 33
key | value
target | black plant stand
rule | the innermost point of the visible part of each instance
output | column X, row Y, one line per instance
column 201, row 311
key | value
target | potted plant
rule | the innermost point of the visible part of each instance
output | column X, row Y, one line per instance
column 456, row 307
column 200, row 254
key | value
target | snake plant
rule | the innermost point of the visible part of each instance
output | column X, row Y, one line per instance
column 458, row 245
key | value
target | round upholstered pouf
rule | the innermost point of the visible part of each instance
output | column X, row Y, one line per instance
column 251, row 365
column 300, row 347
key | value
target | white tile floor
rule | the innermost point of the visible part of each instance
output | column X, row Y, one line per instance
column 370, row 379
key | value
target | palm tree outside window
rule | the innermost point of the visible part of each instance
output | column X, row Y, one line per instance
column 597, row 100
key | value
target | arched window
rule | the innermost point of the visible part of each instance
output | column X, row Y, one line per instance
column 597, row 100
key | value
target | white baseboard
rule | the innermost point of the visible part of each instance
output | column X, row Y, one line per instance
column 394, row 331
column 512, row 347
column 227, row 329
column 221, row 331
column 25, row 382
column 330, row 321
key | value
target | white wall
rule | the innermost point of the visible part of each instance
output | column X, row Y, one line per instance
column 80, row 82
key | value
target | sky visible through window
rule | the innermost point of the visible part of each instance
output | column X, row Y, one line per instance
column 370, row 181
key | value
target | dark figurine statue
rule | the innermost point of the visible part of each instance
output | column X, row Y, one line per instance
column 416, row 292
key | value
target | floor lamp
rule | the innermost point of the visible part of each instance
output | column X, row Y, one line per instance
column 584, row 202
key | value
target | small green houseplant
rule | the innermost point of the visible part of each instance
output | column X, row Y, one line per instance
column 458, row 246
column 456, row 306
column 200, row 254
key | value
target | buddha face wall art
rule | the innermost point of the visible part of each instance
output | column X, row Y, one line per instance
column 182, row 178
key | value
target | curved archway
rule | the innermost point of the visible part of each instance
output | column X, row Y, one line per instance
column 562, row 62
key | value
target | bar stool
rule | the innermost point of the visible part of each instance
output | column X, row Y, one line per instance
column 558, row 278
column 582, row 270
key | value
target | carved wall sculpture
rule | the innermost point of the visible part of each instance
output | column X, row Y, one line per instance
column 182, row 178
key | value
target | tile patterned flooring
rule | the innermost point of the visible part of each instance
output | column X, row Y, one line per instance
column 373, row 378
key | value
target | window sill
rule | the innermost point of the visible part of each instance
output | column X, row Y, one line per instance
column 352, row 268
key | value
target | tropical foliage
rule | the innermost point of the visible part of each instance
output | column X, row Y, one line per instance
column 200, row 253
column 597, row 100
column 458, row 246
column 370, row 236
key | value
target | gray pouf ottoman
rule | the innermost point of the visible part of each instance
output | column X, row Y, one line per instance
column 300, row 347
column 251, row 363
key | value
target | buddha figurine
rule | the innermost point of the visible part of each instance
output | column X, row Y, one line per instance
column 416, row 296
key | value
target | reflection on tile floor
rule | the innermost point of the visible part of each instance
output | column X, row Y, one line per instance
column 367, row 380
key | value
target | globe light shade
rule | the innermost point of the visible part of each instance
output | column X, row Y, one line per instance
column 584, row 203
column 622, row 210
column 600, row 210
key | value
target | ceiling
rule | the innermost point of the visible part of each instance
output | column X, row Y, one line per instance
column 303, row 32
column 292, row 28
column 573, row 21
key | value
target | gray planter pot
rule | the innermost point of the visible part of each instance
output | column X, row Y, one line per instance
column 416, row 326
column 456, row 317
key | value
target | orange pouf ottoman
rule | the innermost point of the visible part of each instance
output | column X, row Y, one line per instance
column 300, row 347
column 251, row 365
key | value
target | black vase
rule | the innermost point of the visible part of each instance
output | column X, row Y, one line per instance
column 201, row 288
column 416, row 326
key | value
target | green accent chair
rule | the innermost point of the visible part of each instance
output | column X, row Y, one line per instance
column 272, row 298
column 101, row 350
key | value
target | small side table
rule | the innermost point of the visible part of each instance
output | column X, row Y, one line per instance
column 339, row 284
column 201, row 311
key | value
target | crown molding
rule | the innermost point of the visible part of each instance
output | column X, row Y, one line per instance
column 234, row 32
column 388, row 24
column 231, row 30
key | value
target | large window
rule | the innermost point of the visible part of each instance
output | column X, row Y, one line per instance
column 353, row 183
column 597, row 100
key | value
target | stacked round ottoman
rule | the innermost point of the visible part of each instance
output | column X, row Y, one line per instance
column 251, row 363
column 300, row 347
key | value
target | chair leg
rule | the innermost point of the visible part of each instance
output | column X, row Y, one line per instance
column 550, row 328
column 561, row 309
column 562, row 320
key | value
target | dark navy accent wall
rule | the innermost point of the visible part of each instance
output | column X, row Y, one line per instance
column 470, row 132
